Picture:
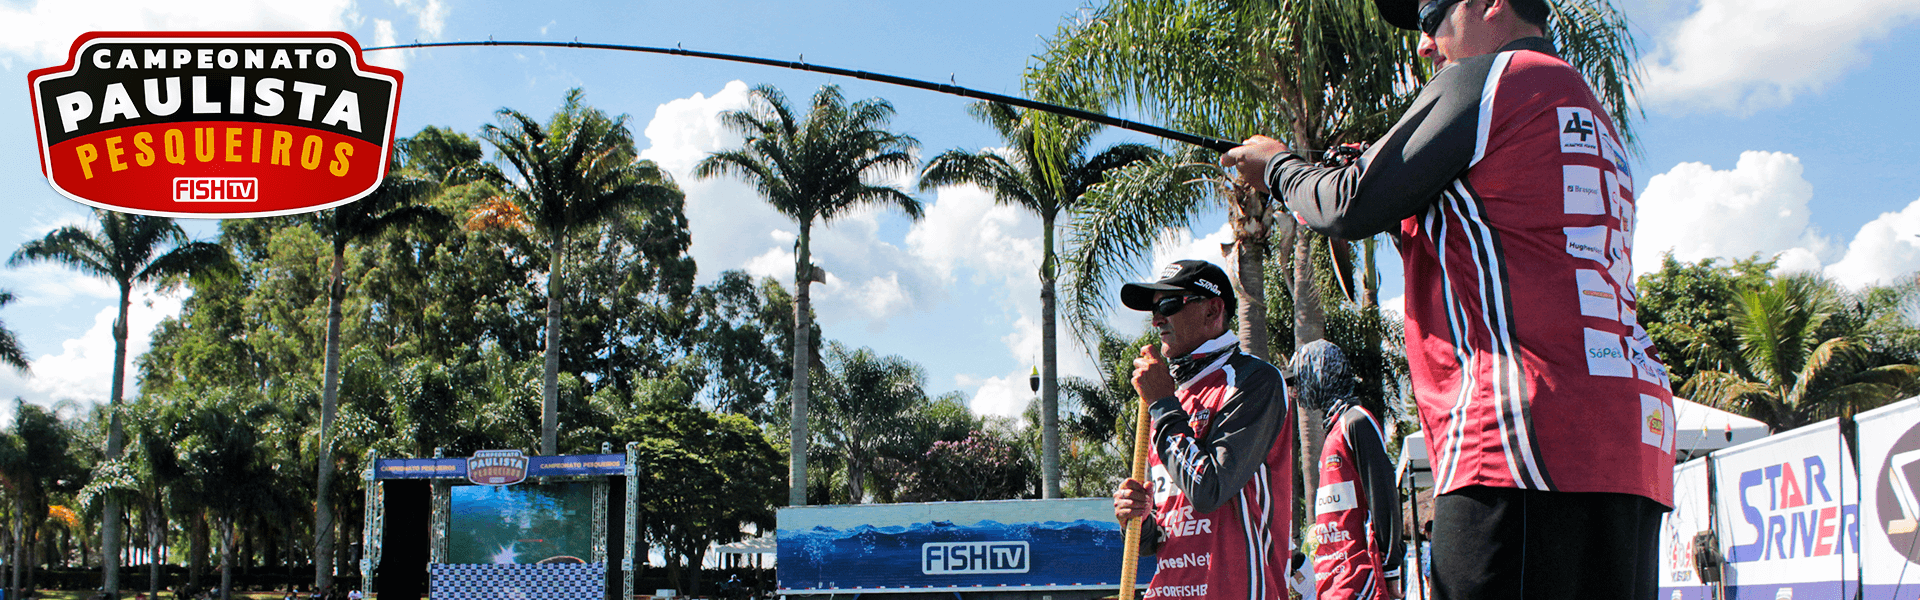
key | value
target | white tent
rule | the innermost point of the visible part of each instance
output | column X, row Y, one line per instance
column 1699, row 429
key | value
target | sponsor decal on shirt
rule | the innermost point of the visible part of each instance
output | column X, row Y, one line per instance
column 1176, row 591
column 1588, row 242
column 1604, row 356
column 1324, row 534
column 1186, row 560
column 1180, row 523
column 1334, row 498
column 1332, row 463
column 1579, row 132
column 1200, row 419
column 1620, row 264
column 1580, row 185
column 1650, row 370
column 1627, row 316
column 1597, row 298
column 1656, row 420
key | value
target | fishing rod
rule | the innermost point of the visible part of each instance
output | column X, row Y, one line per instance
column 1216, row 145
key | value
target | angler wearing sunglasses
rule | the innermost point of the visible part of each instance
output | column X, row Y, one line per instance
column 1220, row 484
column 1510, row 198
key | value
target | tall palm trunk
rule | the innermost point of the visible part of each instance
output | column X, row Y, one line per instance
column 1049, row 374
column 116, row 445
column 226, row 557
column 197, row 548
column 802, row 364
column 1309, row 324
column 156, row 542
column 19, row 541
column 323, row 482
column 1253, row 223
column 550, row 380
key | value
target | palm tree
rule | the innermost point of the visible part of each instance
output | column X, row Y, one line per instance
column 867, row 407
column 127, row 249
column 1795, row 362
column 816, row 168
column 1319, row 73
column 11, row 352
column 574, row 172
column 395, row 203
column 1045, row 170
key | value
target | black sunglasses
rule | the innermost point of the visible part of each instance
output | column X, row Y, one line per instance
column 1433, row 13
column 1172, row 305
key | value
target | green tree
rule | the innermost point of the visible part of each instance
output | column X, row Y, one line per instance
column 1046, row 170
column 131, row 250
column 741, row 337
column 1793, row 362
column 36, row 461
column 576, row 171
column 11, row 352
column 983, row 466
column 1683, row 302
column 814, row 168
column 866, row 409
column 395, row 203
column 705, row 476
column 220, row 446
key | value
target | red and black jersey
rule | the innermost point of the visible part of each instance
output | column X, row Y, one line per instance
column 1222, row 483
column 1356, row 527
column 1512, row 204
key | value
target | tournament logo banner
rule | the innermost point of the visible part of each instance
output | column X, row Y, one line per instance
column 1679, row 575
column 215, row 124
column 497, row 467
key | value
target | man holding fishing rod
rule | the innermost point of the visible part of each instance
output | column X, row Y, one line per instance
column 1548, row 419
column 1219, row 489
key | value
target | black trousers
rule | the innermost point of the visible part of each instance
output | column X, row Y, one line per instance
column 1502, row 543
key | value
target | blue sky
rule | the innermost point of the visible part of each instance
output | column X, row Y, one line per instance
column 1771, row 126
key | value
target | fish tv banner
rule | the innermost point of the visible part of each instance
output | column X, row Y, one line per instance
column 953, row 546
column 1789, row 516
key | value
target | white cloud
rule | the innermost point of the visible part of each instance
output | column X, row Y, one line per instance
column 1004, row 396
column 49, row 284
column 1744, row 55
column 43, row 31
column 1758, row 207
column 965, row 228
column 1181, row 245
column 83, row 370
column 430, row 14
column 383, row 35
column 869, row 279
column 1885, row 250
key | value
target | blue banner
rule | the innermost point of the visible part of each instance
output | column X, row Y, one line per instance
column 952, row 546
column 587, row 465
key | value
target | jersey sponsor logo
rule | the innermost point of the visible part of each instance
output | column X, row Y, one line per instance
column 1186, row 560
column 1604, row 356
column 951, row 558
column 1201, row 418
column 1334, row 498
column 1323, row 534
column 1620, row 258
column 1332, row 463
column 1176, row 591
column 1650, row 370
column 1792, row 511
column 1578, row 131
column 1657, row 417
column 1627, row 316
column 1587, row 242
column 1181, row 523
column 1580, row 186
column 1597, row 298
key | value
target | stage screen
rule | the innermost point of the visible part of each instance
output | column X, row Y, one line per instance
column 521, row 524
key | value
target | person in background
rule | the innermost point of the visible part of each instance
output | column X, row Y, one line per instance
column 1356, row 510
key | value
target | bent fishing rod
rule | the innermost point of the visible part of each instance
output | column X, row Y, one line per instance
column 1216, row 145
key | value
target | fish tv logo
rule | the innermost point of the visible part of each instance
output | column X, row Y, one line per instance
column 215, row 125
column 497, row 467
column 974, row 558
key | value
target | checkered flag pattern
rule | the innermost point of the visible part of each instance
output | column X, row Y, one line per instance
column 518, row 582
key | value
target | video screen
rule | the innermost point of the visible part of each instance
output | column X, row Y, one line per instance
column 521, row 524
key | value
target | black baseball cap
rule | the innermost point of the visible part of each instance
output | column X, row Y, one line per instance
column 1404, row 14
column 1199, row 277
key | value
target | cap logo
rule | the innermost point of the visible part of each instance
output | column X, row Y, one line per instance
column 1209, row 285
column 1170, row 271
